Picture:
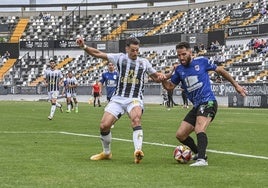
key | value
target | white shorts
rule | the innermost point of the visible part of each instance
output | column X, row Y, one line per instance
column 71, row 95
column 53, row 94
column 120, row 105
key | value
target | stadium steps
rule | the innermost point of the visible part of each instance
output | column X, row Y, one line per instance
column 249, row 5
column 238, row 57
column 6, row 66
column 219, row 25
column 152, row 56
column 91, row 69
column 166, row 23
column 227, row 19
column 59, row 66
column 251, row 20
column 255, row 78
column 16, row 35
column 64, row 62
column 119, row 30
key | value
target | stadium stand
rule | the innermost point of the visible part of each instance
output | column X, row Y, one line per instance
column 245, row 64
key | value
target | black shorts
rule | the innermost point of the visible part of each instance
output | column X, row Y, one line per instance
column 208, row 109
column 96, row 94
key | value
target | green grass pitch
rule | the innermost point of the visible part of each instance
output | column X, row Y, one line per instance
column 36, row 152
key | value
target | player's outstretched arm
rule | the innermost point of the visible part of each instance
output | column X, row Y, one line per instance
column 227, row 76
column 158, row 77
column 168, row 85
column 90, row 50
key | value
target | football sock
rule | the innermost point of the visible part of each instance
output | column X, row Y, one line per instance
column 69, row 107
column 189, row 141
column 52, row 109
column 202, row 142
column 58, row 104
column 106, row 138
column 137, row 137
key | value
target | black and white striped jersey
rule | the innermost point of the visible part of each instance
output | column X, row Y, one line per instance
column 53, row 78
column 131, row 74
column 70, row 82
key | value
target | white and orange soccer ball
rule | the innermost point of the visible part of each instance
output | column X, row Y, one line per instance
column 182, row 154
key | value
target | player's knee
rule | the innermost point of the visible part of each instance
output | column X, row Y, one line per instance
column 180, row 136
column 136, row 121
column 105, row 125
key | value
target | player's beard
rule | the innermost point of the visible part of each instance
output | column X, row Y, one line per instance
column 187, row 61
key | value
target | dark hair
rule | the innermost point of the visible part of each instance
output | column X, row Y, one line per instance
column 132, row 40
column 52, row 60
column 182, row 45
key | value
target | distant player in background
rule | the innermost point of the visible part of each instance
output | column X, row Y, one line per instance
column 53, row 80
column 64, row 91
column 96, row 92
column 192, row 73
column 170, row 102
column 184, row 98
column 109, row 79
column 71, row 87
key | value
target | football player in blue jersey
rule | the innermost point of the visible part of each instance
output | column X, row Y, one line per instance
column 109, row 79
column 193, row 75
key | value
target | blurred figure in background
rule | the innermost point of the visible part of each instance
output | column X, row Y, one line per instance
column 71, row 87
column 96, row 92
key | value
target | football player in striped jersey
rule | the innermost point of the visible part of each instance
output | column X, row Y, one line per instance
column 128, row 96
column 53, row 80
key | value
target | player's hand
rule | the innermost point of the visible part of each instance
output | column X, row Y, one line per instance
column 80, row 42
column 162, row 77
column 241, row 90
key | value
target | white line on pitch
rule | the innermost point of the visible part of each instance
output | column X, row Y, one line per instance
column 125, row 140
column 168, row 145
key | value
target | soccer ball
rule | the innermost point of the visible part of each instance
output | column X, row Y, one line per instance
column 182, row 154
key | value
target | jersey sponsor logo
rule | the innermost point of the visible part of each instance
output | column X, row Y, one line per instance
column 196, row 67
column 131, row 78
column 192, row 83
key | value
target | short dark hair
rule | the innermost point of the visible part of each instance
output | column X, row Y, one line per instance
column 52, row 60
column 132, row 40
column 182, row 45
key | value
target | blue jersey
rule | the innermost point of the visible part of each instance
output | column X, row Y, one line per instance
column 195, row 80
column 110, row 80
